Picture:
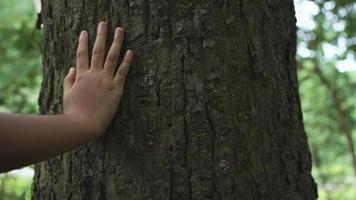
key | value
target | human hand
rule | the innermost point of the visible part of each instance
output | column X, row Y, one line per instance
column 92, row 91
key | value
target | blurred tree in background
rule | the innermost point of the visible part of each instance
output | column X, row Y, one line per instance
column 20, row 77
column 327, row 75
column 326, row 49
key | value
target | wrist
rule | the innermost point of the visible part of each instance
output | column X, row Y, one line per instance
column 85, row 126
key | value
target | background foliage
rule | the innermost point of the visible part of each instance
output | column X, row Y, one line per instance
column 327, row 78
column 326, row 53
column 20, row 64
column 20, row 77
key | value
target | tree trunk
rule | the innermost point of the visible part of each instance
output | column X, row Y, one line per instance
column 211, row 108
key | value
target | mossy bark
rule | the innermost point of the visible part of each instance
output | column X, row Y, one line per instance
column 211, row 108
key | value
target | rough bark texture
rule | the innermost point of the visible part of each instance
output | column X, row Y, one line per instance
column 211, row 108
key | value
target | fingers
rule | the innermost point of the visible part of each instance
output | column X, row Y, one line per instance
column 82, row 53
column 114, row 52
column 99, row 47
column 120, row 76
column 69, row 80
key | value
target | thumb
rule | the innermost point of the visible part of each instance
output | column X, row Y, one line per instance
column 69, row 80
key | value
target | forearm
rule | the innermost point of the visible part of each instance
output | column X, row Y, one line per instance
column 26, row 139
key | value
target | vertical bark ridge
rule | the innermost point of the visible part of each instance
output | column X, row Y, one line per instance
column 186, row 163
column 213, row 141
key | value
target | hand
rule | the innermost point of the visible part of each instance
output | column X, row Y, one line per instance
column 92, row 91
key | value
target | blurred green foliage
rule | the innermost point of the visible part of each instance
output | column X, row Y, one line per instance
column 20, row 61
column 15, row 188
column 328, row 94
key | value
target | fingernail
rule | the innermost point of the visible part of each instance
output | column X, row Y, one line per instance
column 71, row 69
column 83, row 34
column 129, row 52
column 101, row 26
column 119, row 33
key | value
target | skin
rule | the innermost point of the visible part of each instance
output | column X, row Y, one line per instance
column 92, row 93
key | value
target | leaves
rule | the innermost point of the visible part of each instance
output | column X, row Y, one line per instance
column 20, row 63
column 329, row 96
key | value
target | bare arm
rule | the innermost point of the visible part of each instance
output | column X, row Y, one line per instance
column 26, row 139
column 92, row 93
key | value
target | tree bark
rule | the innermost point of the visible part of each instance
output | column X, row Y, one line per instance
column 211, row 108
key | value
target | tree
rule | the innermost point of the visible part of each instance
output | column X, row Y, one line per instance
column 211, row 108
